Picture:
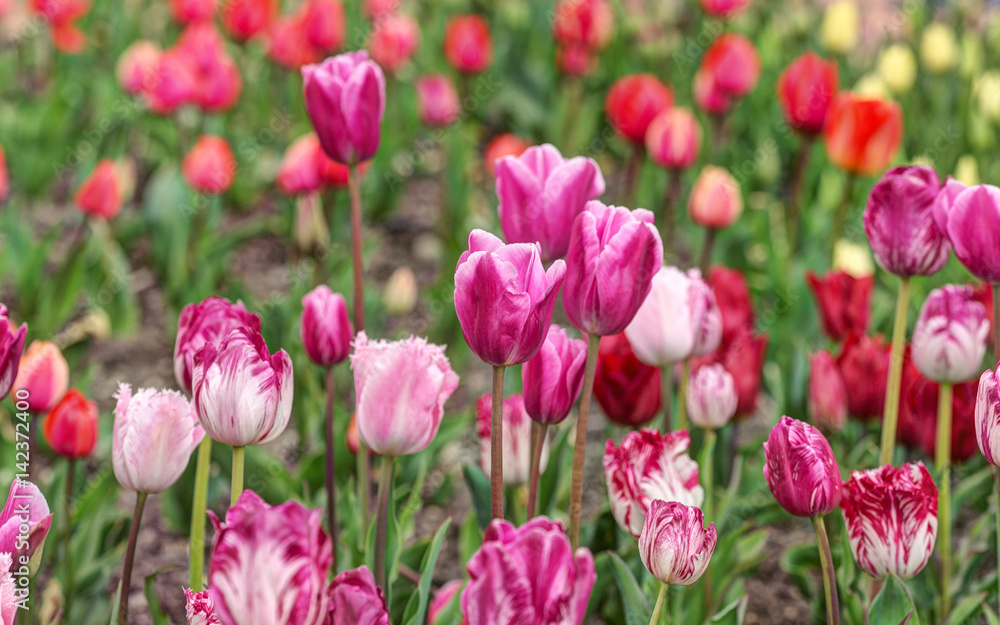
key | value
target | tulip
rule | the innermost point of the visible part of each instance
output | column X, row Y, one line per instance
column 209, row 167
column 840, row 28
column 206, row 323
column 400, row 293
column 503, row 145
column 919, row 416
column 734, row 65
column 724, row 8
column 101, row 194
column 553, row 378
column 292, row 588
column 70, row 428
column 801, row 470
column 743, row 357
column 137, row 67
column 8, row 587
column 42, row 378
column 468, row 45
column 245, row 18
column 4, row 177
column 627, row 389
column 711, row 397
column 437, row 101
column 938, row 48
column 63, row 16
column 897, row 67
column 199, row 608
column 301, row 168
column 356, row 600
column 24, row 523
column 708, row 96
column 827, row 393
column 864, row 366
column 325, row 24
column 174, row 82
column 973, row 217
column 11, row 344
column 633, row 102
column 805, row 92
column 530, row 569
column 197, row 70
column 673, row 139
column 326, row 329
column 442, row 599
column 192, row 10
column 843, row 302
column 586, row 23
column 374, row 9
column 675, row 546
column 862, row 134
column 988, row 416
column 949, row 340
column 394, row 41
column 715, row 201
column 733, row 298
column 541, row 193
column 891, row 517
column 649, row 466
column 517, row 442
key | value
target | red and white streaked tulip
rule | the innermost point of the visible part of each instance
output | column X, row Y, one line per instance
column 801, row 470
column 356, row 600
column 326, row 327
column 988, row 416
column 154, row 435
column 891, row 516
column 14, row 526
column 528, row 574
column 516, row 439
column 11, row 345
column 949, row 340
column 200, row 609
column 43, row 376
column 242, row 393
column 675, row 546
column 401, row 388
column 711, row 397
column 206, row 323
column 646, row 467
column 552, row 380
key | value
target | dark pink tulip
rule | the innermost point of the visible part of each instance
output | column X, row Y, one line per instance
column 504, row 298
column 945, row 201
column 733, row 297
column 24, row 523
column 973, row 226
column 291, row 588
column 541, row 193
column 891, row 517
column 627, row 389
column 192, row 10
column 899, row 222
column 200, row 609
column 208, row 322
column 613, row 255
column 805, row 92
column 553, row 378
column 11, row 344
column 516, row 439
column 345, row 99
column 468, row 44
column 527, row 575
column 442, row 599
column 724, row 8
column 864, row 366
column 437, row 100
column 733, row 64
column 827, row 393
column 949, row 339
column 675, row 546
column 356, row 600
column 801, row 470
column 326, row 326
column 988, row 416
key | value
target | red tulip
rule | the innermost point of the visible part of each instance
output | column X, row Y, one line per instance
column 503, row 145
column 394, row 41
column 633, row 102
column 209, row 167
column 843, row 302
column 733, row 297
column 63, row 15
column 918, row 413
column 137, row 66
column 102, row 193
column 245, row 18
column 827, row 393
column 586, row 23
column 627, row 390
column 316, row 28
column 673, row 139
column 724, row 8
column 468, row 45
column 862, row 134
column 733, row 65
column 576, row 60
column 70, row 428
column 374, row 9
column 805, row 91
column 192, row 10
column 864, row 365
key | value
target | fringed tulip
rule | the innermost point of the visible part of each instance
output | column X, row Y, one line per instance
column 245, row 18
column 988, row 416
column 541, row 193
column 199, row 608
column 862, row 134
column 137, row 67
column 805, row 90
column 675, row 546
column 70, row 428
column 628, row 390
column 891, row 517
column 24, row 523
column 206, row 323
column 715, row 200
column 326, row 327
column 394, row 41
column 843, row 302
column 613, row 256
column 801, row 470
column 949, row 340
column 973, row 223
column 733, row 298
column 646, row 467
column 356, row 600
column 242, row 393
column 507, row 144
column 527, row 574
column 827, row 393
column 516, row 439
column 468, row 44
column 11, row 345
column 673, row 139
column 102, row 193
column 42, row 378
column 437, row 101
column 209, row 167
column 504, row 298
column 154, row 436
column 711, row 397
column 401, row 388
column 553, row 378
column 864, row 366
column 633, row 102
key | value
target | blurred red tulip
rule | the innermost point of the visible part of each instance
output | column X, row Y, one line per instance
column 507, row 144
column 137, row 66
column 196, row 70
column 673, row 139
column 193, row 10
column 708, row 96
column 468, row 44
column 733, row 63
column 576, row 59
column 864, row 366
column 70, row 428
column 42, row 376
column 733, row 298
column 209, row 167
column 394, row 41
column 724, row 8
column 102, row 193
column 315, row 29
column 743, row 357
column 374, row 9
column 326, row 24
column 245, row 18
column 806, row 89
column 918, row 413
column 843, row 301
column 587, row 23
column 627, row 390
column 300, row 168
column 633, row 102
column 4, row 177
column 862, row 133
column 62, row 15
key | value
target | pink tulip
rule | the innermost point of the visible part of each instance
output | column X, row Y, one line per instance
column 680, row 319
column 724, row 8
column 102, row 192
column 988, row 416
column 200, row 609
column 192, row 10
column 552, row 380
column 504, row 298
column 242, row 393
column 675, row 546
column 891, row 517
column 209, row 167
column 613, row 256
column 137, row 66
column 733, row 63
column 437, row 100
column 269, row 565
column 345, row 99
column 649, row 466
column 401, row 388
column 711, row 397
column 673, row 139
column 541, row 193
column 949, row 340
column 468, row 44
column 394, row 41
column 9, row 596
column 173, row 83
column 516, row 439
column 973, row 223
column 154, row 435
column 356, row 600
column 708, row 95
column 442, row 599
column 899, row 222
column 245, row 18
column 715, row 200
column 11, row 344
column 206, row 323
column 805, row 91
column 326, row 327
column 801, row 470
column 42, row 378
column 827, row 393
column 26, row 514
column 527, row 575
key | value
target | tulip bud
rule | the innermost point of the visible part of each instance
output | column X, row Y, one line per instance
column 24, row 523
column 401, row 388
column 972, row 223
column 245, row 18
column 355, row 599
column 801, row 470
column 805, row 91
column 400, row 294
column 326, row 327
column 209, row 167
column 840, row 28
column 897, row 67
column 827, row 393
column 711, row 397
column 394, row 41
column 649, row 466
column 967, row 170
column 43, row 377
column 673, row 139
column 437, row 101
column 988, row 416
column 504, row 298
column 938, row 48
column 627, row 389
column 949, row 340
column 468, row 45
column 843, row 302
column 137, row 67
column 891, row 517
column 11, row 345
column 675, row 546
column 200, row 609
column 70, row 428
column 310, row 230
column 516, row 439
column 733, row 64
column 986, row 90
column 503, row 145
column 724, row 8
column 862, row 134
column 715, row 200
column 442, row 599
column 633, row 102
column 206, row 323
column 102, row 193
column 864, row 366
column 552, row 380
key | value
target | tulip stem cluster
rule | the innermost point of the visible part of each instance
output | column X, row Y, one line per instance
column 133, row 535
column 943, row 461
column 891, row 413
column 579, row 448
column 537, row 445
column 661, row 603
column 829, row 573
column 196, row 563
column 496, row 445
column 237, row 482
column 381, row 521
column 357, row 259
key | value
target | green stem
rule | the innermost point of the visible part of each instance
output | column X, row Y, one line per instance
column 237, row 484
column 363, row 484
column 541, row 429
column 706, row 473
column 579, row 448
column 357, row 256
column 840, row 216
column 331, row 469
column 665, row 396
column 671, row 201
column 67, row 536
column 942, row 460
column 891, row 413
column 706, row 251
column 829, row 574
column 795, row 184
column 381, row 522
column 632, row 174
column 133, row 535
column 996, row 518
column 196, row 562
column 661, row 600
column 496, row 446
column 682, row 420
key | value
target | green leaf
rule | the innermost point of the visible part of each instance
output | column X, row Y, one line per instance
column 114, row 608
column 153, row 598
column 549, row 481
column 991, row 617
column 479, row 486
column 893, row 605
column 733, row 613
column 636, row 609
column 416, row 609
column 964, row 609
column 470, row 537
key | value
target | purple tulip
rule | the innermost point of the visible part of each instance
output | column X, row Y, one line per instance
column 326, row 327
column 504, row 298
column 675, row 546
column 200, row 609
column 974, row 229
column 345, row 99
column 711, row 397
column 269, row 565
column 356, row 600
column 154, row 435
column 613, row 255
column 541, row 193
column 899, row 221
column 206, row 323
column 401, row 388
column 552, row 380
column 26, row 514
column 988, row 416
column 11, row 345
column 242, row 393
column 528, row 575
column 949, row 340
column 801, row 470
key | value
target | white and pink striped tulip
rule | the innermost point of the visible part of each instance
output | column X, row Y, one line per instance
column 200, row 609
column 675, row 546
column 949, row 340
column 988, row 416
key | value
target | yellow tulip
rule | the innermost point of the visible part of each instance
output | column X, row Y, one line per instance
column 898, row 68
column 839, row 31
column 967, row 170
column 938, row 48
column 853, row 258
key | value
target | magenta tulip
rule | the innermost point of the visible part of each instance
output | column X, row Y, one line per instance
column 827, row 393
column 973, row 226
column 613, row 255
column 24, row 524
column 675, row 546
column 326, row 326
column 711, row 397
column 516, row 439
column 11, row 345
column 437, row 100
column 504, row 298
column 949, row 340
column 988, row 416
column 801, row 470
column 945, row 201
column 541, row 193
column 553, row 378
column 206, row 323
column 356, row 600
column 200, row 609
